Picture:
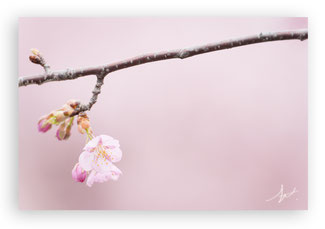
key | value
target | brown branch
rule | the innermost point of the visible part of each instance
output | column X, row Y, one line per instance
column 44, row 65
column 102, row 71
column 93, row 100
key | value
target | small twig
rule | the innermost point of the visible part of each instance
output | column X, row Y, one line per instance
column 44, row 65
column 93, row 100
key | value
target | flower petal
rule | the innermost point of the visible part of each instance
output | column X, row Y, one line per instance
column 102, row 177
column 115, row 154
column 115, row 172
column 91, row 178
column 97, row 177
column 112, row 174
column 86, row 160
column 109, row 142
column 92, row 144
column 101, row 165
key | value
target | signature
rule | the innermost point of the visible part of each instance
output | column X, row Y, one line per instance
column 282, row 196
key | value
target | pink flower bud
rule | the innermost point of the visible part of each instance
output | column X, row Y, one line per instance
column 60, row 133
column 83, row 123
column 60, row 116
column 43, row 126
column 64, row 130
column 78, row 174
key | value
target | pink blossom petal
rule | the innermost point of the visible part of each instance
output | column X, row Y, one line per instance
column 115, row 154
column 91, row 178
column 86, row 160
column 115, row 172
column 92, row 144
column 97, row 177
column 103, row 177
column 110, row 142
column 101, row 165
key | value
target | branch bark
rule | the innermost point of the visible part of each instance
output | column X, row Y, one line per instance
column 93, row 100
column 101, row 71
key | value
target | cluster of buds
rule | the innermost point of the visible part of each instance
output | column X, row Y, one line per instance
column 62, row 118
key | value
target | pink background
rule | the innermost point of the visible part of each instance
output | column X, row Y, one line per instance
column 219, row 131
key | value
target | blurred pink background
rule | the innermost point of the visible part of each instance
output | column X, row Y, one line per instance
column 219, row 131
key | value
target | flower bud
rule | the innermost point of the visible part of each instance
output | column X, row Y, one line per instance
column 43, row 126
column 35, row 59
column 60, row 133
column 60, row 116
column 73, row 103
column 83, row 123
column 78, row 174
column 67, row 132
column 64, row 130
column 69, row 107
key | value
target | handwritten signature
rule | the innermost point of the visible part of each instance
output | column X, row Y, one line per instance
column 282, row 196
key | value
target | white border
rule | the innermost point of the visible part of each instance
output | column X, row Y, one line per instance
column 12, row 217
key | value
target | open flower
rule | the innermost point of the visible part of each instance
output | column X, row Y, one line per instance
column 98, row 157
column 99, row 153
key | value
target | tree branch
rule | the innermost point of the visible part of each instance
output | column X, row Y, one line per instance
column 93, row 100
column 44, row 65
column 103, row 70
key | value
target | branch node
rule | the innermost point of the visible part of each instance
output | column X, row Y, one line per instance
column 183, row 54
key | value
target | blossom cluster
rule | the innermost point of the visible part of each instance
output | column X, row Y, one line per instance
column 100, row 152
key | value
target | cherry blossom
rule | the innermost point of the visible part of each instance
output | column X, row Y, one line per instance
column 98, row 157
